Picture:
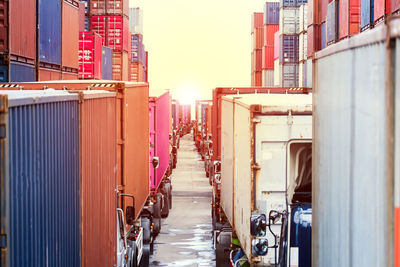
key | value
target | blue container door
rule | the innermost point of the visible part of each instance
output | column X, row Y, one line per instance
column 50, row 31
column 367, row 14
column 44, row 185
column 106, row 63
column 271, row 13
column 20, row 72
column 290, row 48
column 300, row 234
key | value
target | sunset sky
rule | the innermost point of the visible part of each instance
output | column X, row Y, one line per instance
column 195, row 46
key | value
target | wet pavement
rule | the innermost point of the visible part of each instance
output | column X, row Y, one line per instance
column 185, row 238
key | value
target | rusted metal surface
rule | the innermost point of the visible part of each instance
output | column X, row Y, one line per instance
column 98, row 178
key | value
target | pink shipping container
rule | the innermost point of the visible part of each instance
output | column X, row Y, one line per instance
column 269, row 33
column 323, row 8
column 257, row 20
column 98, row 24
column 120, row 66
column 159, row 116
column 313, row 39
column 381, row 8
column 268, row 57
column 349, row 17
column 118, row 7
column 118, row 33
column 276, row 45
column 89, row 55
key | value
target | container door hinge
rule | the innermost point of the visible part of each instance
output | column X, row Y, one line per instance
column 256, row 167
column 3, row 241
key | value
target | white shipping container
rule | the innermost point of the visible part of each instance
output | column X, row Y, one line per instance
column 301, row 74
column 289, row 20
column 254, row 191
column 277, row 72
column 289, row 74
column 302, row 46
column 136, row 20
column 308, row 76
column 268, row 78
column 303, row 17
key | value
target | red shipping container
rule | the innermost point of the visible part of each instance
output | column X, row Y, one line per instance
column 90, row 52
column 4, row 26
column 22, row 29
column 97, row 7
column 136, row 71
column 388, row 6
column 381, row 8
column 313, row 12
column 349, row 17
column 118, row 7
column 313, row 39
column 46, row 74
column 276, row 45
column 120, row 66
column 258, row 38
column 118, row 33
column 268, row 57
column 257, row 20
column 81, row 16
column 70, row 35
column 256, row 78
column 395, row 6
column 323, row 6
column 98, row 24
column 257, row 60
column 269, row 34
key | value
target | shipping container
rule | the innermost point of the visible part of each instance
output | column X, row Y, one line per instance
column 289, row 48
column 268, row 57
column 159, row 114
column 255, row 132
column 380, row 11
column 332, row 23
column 301, row 74
column 175, row 114
column 136, row 21
column 118, row 7
column 313, row 39
column 277, row 75
column 70, row 36
column 49, row 31
column 87, row 5
column 90, row 55
column 289, row 74
column 302, row 46
column 22, row 29
column 394, row 6
column 356, row 116
column 323, row 5
column 106, row 63
column 98, row 24
column 256, row 60
column 120, row 66
column 257, row 20
column 20, row 72
column 39, row 151
column 323, row 35
column 98, row 178
column 87, row 24
column 292, row 3
column 308, row 73
column 258, row 38
column 349, row 18
column 256, row 78
column 97, row 7
column 269, row 34
column 289, row 21
column 82, row 16
column 118, row 33
column 312, row 12
column 276, row 45
column 132, row 141
column 268, row 77
column 366, row 14
column 47, row 74
column 69, row 75
column 138, row 53
column 271, row 13
column 303, row 17
column 136, row 72
column 4, row 25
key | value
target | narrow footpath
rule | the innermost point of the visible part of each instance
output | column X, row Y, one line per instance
column 186, row 234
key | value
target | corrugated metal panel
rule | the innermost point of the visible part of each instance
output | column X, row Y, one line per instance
column 308, row 79
column 4, row 26
column 98, row 170
column 268, row 57
column 268, row 78
column 379, row 10
column 313, row 39
column 69, row 76
column 313, row 12
column 366, row 14
column 136, row 21
column 276, row 45
column 257, row 20
column 97, row 7
column 49, row 74
column 20, row 72
column 22, row 30
column 90, row 56
column 394, row 5
column 303, row 17
column 289, row 48
column 349, row 18
column 301, row 74
column 289, row 74
column 289, row 20
column 323, row 6
column 118, row 7
column 81, row 16
column 44, row 183
column 351, row 97
column 50, row 31
column 276, row 72
column 152, row 139
column 323, row 35
column 117, row 33
column 332, row 22
column 302, row 46
column 106, row 63
column 269, row 34
column 258, row 38
column 271, row 13
column 70, row 34
column 120, row 66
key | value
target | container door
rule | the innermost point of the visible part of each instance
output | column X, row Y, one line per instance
column 152, row 142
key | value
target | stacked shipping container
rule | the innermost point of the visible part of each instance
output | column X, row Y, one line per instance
column 271, row 26
column 138, row 61
column 257, row 34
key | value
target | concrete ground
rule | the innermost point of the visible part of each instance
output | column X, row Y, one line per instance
column 186, row 237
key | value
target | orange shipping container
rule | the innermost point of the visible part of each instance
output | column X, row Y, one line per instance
column 120, row 66
column 70, row 35
column 49, row 74
column 69, row 76
column 258, row 38
column 136, row 72
column 132, row 141
column 98, row 178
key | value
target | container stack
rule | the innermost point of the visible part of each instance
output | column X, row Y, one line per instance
column 303, row 45
column 271, row 26
column 257, row 34
column 138, row 61
column 289, row 30
column 276, row 60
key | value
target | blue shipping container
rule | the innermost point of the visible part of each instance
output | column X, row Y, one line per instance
column 137, row 49
column 300, row 233
column 323, row 35
column 20, row 72
column 50, row 31
column 3, row 73
column 106, row 63
column 332, row 22
column 367, row 14
column 271, row 13
column 43, row 179
column 286, row 3
column 289, row 48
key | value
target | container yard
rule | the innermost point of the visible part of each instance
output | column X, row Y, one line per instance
column 104, row 163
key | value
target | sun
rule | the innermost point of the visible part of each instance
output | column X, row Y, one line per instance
column 187, row 95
